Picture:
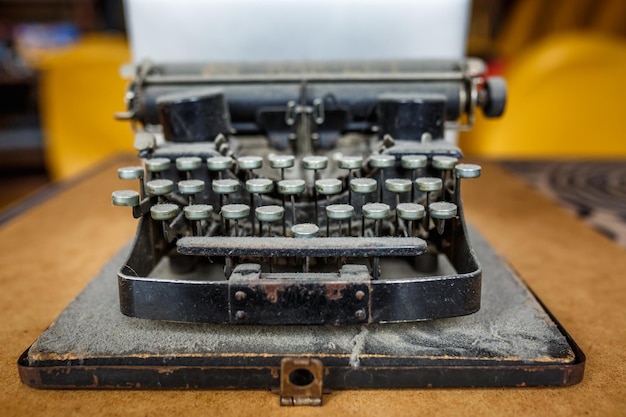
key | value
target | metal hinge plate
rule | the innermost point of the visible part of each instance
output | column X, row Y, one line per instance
column 301, row 381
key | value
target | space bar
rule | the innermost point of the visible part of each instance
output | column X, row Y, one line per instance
column 291, row 247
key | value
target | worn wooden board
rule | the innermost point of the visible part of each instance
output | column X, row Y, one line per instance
column 50, row 253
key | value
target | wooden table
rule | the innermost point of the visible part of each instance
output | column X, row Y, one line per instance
column 50, row 251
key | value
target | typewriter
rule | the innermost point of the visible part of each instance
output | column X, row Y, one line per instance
column 301, row 193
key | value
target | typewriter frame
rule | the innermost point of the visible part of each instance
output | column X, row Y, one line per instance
column 352, row 297
column 219, row 301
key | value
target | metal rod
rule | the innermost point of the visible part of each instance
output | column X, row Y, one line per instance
column 298, row 78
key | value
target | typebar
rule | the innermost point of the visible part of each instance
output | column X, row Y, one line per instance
column 289, row 247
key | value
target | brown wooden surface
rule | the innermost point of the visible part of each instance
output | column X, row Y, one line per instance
column 50, row 252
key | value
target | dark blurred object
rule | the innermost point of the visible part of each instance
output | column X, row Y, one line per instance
column 593, row 190
column 29, row 30
column 82, row 13
column 194, row 115
column 499, row 29
column 20, row 128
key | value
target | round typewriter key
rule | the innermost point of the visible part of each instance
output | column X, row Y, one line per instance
column 338, row 212
column 376, row 211
column 350, row 162
column 235, row 212
column 281, row 161
column 130, row 173
column 250, row 162
column 165, row 211
column 442, row 210
column 191, row 186
column 219, row 163
column 410, row 212
column 162, row 212
column 127, row 198
column 428, row 184
column 305, row 230
column 382, row 160
column 467, row 171
column 290, row 187
column 444, row 162
column 328, row 186
column 226, row 186
column 198, row 211
column 160, row 187
column 158, row 164
column 413, row 161
column 464, row 171
column 363, row 185
column 259, row 185
column 269, row 214
column 188, row 163
column 315, row 162
column 398, row 185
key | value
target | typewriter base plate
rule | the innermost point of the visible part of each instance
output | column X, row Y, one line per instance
column 511, row 341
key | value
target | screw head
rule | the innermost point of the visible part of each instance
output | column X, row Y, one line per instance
column 360, row 314
column 359, row 295
column 240, row 315
column 240, row 296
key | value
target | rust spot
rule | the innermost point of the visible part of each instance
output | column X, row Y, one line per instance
column 335, row 291
column 271, row 292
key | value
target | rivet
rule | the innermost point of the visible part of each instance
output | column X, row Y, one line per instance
column 240, row 315
column 359, row 296
column 240, row 296
column 360, row 314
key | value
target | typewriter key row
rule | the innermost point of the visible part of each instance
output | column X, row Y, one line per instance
column 412, row 195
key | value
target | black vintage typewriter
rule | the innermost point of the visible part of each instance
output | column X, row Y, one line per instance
column 302, row 193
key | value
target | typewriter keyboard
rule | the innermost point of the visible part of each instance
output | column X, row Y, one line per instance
column 289, row 213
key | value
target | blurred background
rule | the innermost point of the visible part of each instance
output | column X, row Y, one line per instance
column 564, row 61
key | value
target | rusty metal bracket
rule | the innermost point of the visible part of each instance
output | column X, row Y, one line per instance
column 301, row 381
column 323, row 298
